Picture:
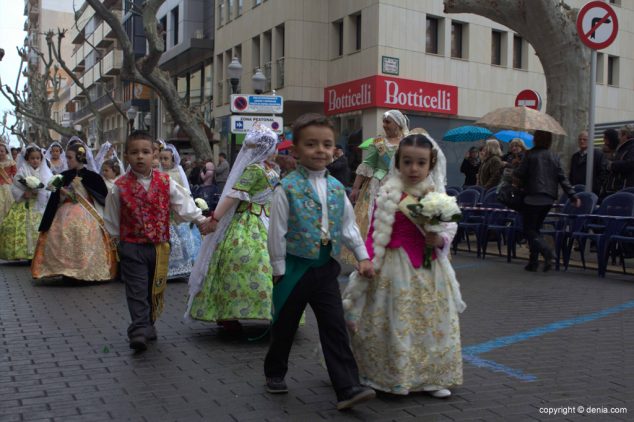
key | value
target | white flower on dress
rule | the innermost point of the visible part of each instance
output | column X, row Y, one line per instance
column 202, row 204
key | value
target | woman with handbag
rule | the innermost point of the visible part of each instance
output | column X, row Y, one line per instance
column 540, row 173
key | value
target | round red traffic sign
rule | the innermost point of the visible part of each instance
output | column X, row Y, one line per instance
column 529, row 98
column 240, row 103
column 597, row 25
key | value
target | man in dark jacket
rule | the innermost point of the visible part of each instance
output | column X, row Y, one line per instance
column 621, row 168
column 339, row 167
column 578, row 162
column 470, row 167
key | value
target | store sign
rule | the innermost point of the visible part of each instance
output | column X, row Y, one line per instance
column 389, row 92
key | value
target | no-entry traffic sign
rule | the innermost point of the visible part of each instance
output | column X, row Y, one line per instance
column 529, row 98
column 597, row 25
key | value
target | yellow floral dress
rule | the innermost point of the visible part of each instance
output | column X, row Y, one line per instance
column 7, row 171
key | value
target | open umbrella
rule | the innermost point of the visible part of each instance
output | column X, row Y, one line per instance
column 521, row 118
column 508, row 135
column 466, row 134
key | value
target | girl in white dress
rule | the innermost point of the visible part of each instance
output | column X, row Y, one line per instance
column 404, row 321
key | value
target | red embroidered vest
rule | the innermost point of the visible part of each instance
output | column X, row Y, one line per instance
column 144, row 216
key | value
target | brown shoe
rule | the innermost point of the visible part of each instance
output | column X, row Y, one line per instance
column 353, row 396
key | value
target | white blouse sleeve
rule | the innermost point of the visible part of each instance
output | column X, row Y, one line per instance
column 278, row 226
column 350, row 232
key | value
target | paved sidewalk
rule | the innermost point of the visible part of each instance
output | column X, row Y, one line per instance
column 553, row 341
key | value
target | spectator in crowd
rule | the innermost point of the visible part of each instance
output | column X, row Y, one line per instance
column 610, row 143
column 621, row 167
column 194, row 174
column 339, row 167
column 490, row 171
column 470, row 166
column 577, row 175
column 222, row 171
column 516, row 153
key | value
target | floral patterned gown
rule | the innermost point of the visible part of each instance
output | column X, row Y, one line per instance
column 185, row 241
column 408, row 332
column 18, row 230
column 7, row 172
column 238, row 284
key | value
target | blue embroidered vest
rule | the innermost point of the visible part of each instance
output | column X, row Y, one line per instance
column 303, row 237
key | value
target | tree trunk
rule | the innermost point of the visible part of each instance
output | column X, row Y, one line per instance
column 145, row 70
column 550, row 27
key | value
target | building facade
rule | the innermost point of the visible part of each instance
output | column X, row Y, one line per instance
column 354, row 60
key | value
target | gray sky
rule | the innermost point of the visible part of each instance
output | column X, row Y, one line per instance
column 11, row 35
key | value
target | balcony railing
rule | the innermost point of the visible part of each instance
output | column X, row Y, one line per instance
column 111, row 63
column 280, row 73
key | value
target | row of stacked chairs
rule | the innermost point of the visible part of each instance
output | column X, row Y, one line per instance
column 609, row 226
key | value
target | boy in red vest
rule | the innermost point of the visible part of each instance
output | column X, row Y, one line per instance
column 137, row 216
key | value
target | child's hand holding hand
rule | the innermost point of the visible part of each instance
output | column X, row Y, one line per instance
column 434, row 240
column 366, row 269
column 27, row 194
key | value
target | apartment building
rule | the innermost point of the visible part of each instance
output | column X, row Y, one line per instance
column 41, row 17
column 189, row 41
column 97, row 59
column 355, row 59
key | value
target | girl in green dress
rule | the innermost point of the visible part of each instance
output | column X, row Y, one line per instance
column 18, row 231
column 232, row 277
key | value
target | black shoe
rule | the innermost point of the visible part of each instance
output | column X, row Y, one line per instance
column 138, row 343
column 548, row 265
column 150, row 333
column 531, row 266
column 353, row 396
column 276, row 385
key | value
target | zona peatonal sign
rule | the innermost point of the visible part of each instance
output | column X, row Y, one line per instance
column 388, row 92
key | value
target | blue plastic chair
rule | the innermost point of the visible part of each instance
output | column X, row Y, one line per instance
column 607, row 221
column 617, row 243
column 452, row 191
column 458, row 188
column 470, row 218
column 566, row 222
column 629, row 190
column 479, row 189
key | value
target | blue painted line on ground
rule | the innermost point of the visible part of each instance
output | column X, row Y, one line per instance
column 470, row 353
column 496, row 367
column 547, row 329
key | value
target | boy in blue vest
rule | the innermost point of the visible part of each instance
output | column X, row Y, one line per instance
column 310, row 217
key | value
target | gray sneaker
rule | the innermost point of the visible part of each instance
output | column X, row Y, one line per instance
column 276, row 385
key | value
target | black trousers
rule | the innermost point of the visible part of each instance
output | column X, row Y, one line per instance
column 533, row 217
column 319, row 288
column 138, row 262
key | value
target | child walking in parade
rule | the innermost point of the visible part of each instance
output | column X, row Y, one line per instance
column 184, row 238
column 310, row 218
column 73, row 241
column 231, row 279
column 137, row 216
column 56, row 158
column 18, row 231
column 404, row 321
column 110, row 171
column 8, row 169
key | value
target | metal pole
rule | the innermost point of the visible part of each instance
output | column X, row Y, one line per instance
column 590, row 149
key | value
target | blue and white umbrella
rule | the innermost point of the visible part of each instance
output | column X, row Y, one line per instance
column 467, row 134
column 509, row 135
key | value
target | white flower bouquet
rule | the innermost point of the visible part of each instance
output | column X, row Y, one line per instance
column 55, row 183
column 32, row 184
column 430, row 212
column 202, row 204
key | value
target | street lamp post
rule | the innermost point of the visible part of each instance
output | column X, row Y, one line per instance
column 258, row 80
column 234, row 71
column 131, row 114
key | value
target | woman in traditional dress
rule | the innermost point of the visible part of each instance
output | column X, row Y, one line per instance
column 107, row 151
column 73, row 242
column 404, row 321
column 232, row 277
column 372, row 171
column 18, row 230
column 56, row 158
column 185, row 238
column 7, row 172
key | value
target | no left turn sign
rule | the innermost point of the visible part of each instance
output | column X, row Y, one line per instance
column 597, row 25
